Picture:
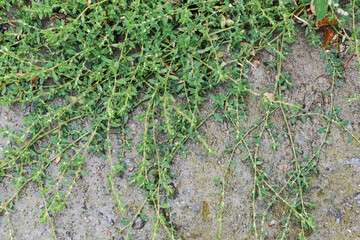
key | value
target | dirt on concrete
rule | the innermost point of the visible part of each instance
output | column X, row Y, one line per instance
column 91, row 213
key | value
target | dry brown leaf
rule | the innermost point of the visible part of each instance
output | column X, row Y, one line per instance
column 272, row 223
column 77, row 100
column 325, row 22
column 256, row 63
column 18, row 36
column 229, row 21
column 312, row 8
column 299, row 12
column 269, row 96
column 32, row 80
column 57, row 160
column 220, row 54
column 326, row 99
column 12, row 25
column 329, row 34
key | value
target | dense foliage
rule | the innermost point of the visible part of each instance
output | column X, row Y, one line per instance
column 75, row 60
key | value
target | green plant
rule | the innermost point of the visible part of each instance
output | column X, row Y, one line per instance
column 102, row 59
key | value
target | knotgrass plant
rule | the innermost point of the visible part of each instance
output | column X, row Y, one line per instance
column 70, row 61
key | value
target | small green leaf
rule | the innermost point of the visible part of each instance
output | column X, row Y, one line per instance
column 255, row 135
column 83, row 173
column 338, row 84
column 183, row 151
column 124, row 221
column 165, row 205
column 143, row 217
column 71, row 52
column 55, row 76
column 218, row 117
column 321, row 130
column 220, row 54
column 303, row 119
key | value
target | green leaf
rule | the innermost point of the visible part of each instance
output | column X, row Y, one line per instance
column 321, row 130
column 210, row 150
column 71, row 52
column 218, row 117
column 183, row 151
column 143, row 217
column 303, row 119
column 55, row 76
column 338, row 84
column 321, row 7
column 165, row 205
column 83, row 173
column 312, row 223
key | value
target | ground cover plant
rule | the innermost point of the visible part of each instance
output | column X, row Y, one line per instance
column 100, row 60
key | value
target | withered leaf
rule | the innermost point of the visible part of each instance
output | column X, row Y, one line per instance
column 329, row 34
column 312, row 8
column 32, row 80
column 78, row 100
column 256, row 63
column 269, row 96
column 57, row 160
column 220, row 54
column 325, row 22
